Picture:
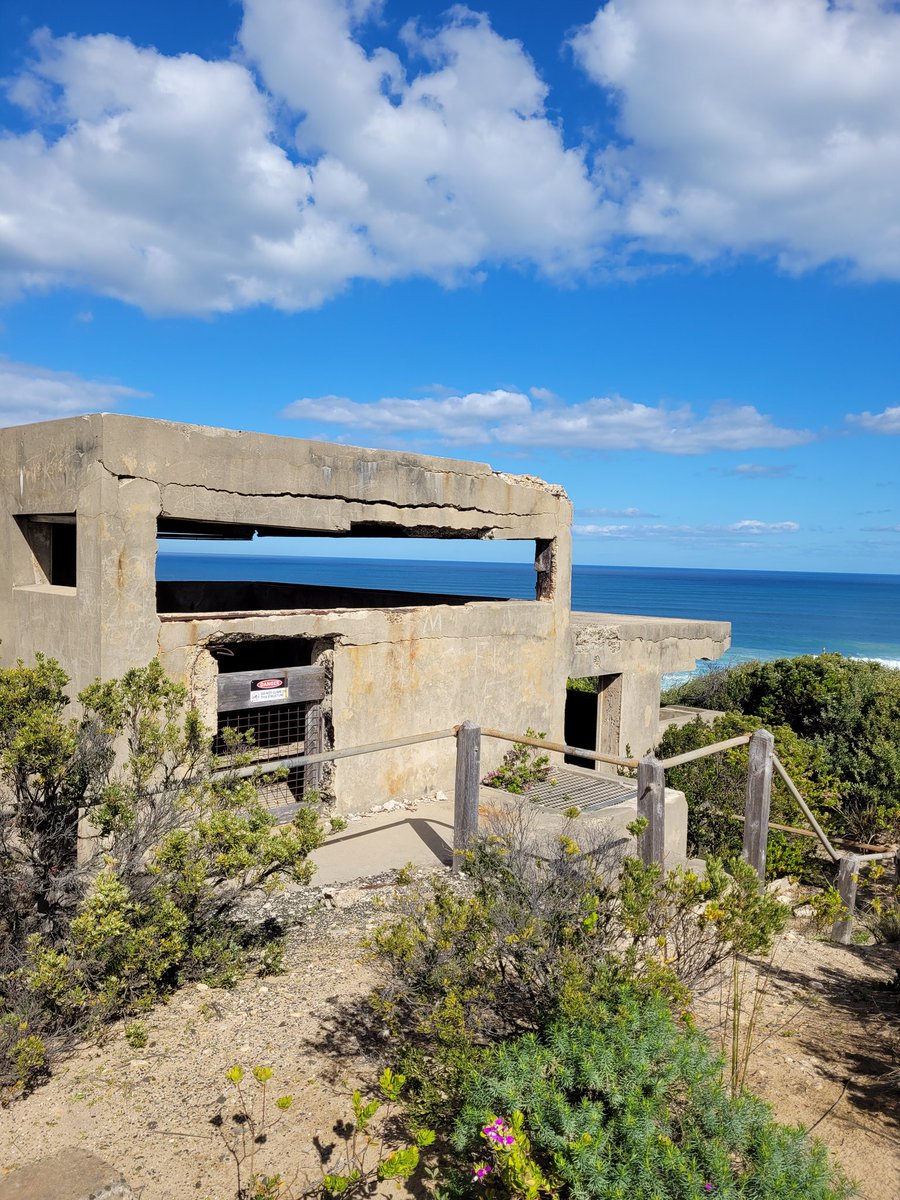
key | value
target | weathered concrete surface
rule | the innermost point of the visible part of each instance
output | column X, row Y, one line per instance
column 393, row 667
column 422, row 834
column 398, row 671
column 676, row 716
column 69, row 1175
column 640, row 650
column 604, row 643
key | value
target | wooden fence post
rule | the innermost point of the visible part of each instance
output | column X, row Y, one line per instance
column 758, row 801
column 313, row 743
column 465, row 796
column 651, row 803
column 848, row 877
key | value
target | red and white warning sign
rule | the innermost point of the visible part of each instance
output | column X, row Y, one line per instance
column 268, row 690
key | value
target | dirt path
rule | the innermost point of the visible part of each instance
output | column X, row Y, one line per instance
column 826, row 1049
column 830, row 1035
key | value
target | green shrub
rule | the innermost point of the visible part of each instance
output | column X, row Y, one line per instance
column 628, row 1105
column 850, row 710
column 179, row 845
column 136, row 1035
column 521, row 768
column 715, row 788
column 540, row 930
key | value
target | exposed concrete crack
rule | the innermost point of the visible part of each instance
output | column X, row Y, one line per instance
column 288, row 495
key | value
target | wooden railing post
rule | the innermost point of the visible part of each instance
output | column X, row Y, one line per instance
column 848, row 877
column 758, row 801
column 468, row 782
column 313, row 743
column 651, row 804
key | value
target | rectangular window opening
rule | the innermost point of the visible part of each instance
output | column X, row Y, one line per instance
column 52, row 540
column 226, row 568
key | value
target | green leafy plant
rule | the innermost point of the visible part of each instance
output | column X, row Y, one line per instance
column 248, row 1127
column 178, row 843
column 521, row 768
column 715, row 788
column 826, row 907
column 628, row 1103
column 364, row 1160
column 136, row 1035
column 541, row 930
column 849, row 710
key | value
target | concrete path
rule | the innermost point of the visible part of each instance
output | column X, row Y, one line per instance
column 371, row 845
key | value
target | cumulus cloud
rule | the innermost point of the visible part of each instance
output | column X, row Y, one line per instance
column 754, row 126
column 31, row 393
column 740, row 530
column 308, row 160
column 515, row 419
column 180, row 184
column 887, row 421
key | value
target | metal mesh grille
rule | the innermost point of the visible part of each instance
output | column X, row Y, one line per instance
column 587, row 791
column 278, row 731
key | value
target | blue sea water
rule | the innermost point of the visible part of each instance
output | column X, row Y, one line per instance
column 772, row 613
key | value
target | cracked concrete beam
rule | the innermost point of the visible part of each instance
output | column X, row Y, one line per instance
column 251, row 464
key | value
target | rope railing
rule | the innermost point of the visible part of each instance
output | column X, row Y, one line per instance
column 615, row 760
column 705, row 751
column 651, row 788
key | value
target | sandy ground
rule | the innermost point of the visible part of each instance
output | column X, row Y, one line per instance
column 828, row 1034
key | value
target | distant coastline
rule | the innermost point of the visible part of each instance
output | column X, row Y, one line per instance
column 774, row 614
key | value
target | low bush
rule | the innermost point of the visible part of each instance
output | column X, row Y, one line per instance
column 177, row 846
column 542, row 929
column 627, row 1104
column 715, row 788
column 521, row 768
column 850, row 710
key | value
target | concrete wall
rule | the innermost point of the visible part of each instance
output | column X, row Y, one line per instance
column 396, row 665
column 394, row 672
column 641, row 650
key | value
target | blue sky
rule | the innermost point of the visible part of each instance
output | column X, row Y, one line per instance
column 648, row 249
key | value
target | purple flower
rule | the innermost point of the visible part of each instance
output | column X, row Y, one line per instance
column 708, row 1187
column 479, row 1172
column 498, row 1133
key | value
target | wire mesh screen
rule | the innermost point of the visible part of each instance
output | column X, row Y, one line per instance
column 276, row 731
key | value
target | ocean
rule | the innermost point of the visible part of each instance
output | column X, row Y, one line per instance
column 773, row 614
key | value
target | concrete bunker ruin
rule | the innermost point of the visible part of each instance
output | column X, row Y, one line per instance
column 312, row 667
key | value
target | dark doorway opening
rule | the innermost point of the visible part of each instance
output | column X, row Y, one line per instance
column 593, row 716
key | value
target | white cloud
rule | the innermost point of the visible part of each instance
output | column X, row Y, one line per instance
column 754, row 126
column 680, row 533
column 613, row 512
column 757, row 527
column 31, row 393
column 179, row 184
column 188, row 185
column 760, row 471
column 887, row 421
column 511, row 418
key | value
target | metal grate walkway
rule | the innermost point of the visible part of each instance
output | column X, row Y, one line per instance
column 586, row 790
